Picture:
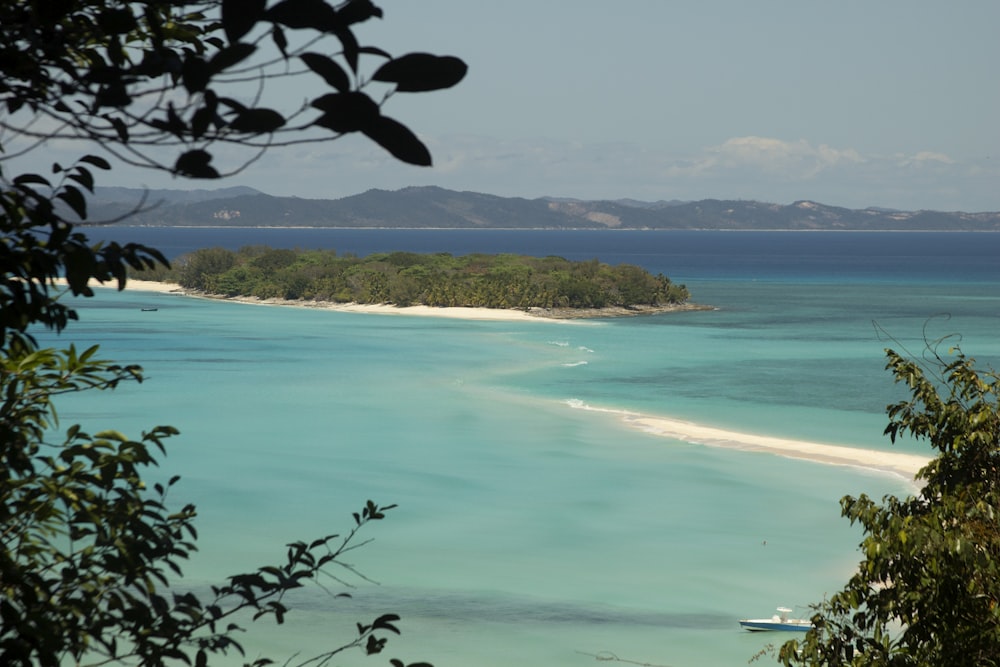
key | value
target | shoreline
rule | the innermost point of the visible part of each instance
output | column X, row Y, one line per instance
column 897, row 463
column 454, row 312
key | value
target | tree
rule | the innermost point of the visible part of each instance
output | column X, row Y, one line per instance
column 89, row 557
column 927, row 589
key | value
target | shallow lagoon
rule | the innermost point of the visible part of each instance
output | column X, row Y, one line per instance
column 529, row 531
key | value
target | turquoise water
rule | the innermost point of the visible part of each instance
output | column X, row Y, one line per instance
column 529, row 531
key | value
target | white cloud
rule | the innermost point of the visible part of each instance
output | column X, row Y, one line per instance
column 789, row 159
column 924, row 159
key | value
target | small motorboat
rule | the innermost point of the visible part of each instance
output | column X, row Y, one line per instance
column 149, row 310
column 779, row 622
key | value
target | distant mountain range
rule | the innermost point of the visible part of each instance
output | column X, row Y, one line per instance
column 433, row 207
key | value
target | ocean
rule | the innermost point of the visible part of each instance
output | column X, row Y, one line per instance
column 535, row 525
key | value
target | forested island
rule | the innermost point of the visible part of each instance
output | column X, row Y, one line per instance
column 553, row 284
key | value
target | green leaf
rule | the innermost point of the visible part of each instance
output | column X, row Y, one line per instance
column 328, row 68
column 398, row 140
column 420, row 72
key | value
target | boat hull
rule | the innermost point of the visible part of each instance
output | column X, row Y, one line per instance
column 770, row 625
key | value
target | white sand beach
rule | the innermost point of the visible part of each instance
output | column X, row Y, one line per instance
column 905, row 465
column 496, row 314
column 898, row 463
column 149, row 286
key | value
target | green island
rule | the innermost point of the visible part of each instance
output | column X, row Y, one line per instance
column 545, row 286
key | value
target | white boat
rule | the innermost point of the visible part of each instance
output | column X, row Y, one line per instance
column 779, row 622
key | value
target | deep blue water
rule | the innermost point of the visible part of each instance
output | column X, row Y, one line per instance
column 684, row 256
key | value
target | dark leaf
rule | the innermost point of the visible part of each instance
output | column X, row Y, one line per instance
column 200, row 121
column 375, row 51
column 278, row 35
column 328, row 68
column 114, row 95
column 299, row 14
column 31, row 178
column 232, row 104
column 346, row 112
column 97, row 161
column 116, row 21
column 74, row 198
column 385, row 622
column 257, row 121
column 195, row 73
column 374, row 645
column 420, row 72
column 350, row 46
column 119, row 126
column 83, row 176
column 230, row 56
column 357, row 11
column 239, row 17
column 195, row 164
column 402, row 143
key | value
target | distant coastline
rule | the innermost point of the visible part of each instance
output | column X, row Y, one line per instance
column 430, row 207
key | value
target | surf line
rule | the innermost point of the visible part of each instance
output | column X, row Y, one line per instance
column 898, row 463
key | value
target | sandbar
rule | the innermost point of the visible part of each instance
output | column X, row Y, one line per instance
column 896, row 463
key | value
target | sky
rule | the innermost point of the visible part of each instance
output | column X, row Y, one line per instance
column 890, row 103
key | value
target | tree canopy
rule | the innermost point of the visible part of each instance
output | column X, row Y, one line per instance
column 406, row 278
column 927, row 589
column 89, row 556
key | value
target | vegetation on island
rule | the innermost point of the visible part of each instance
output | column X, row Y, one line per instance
column 91, row 550
column 406, row 279
column 927, row 589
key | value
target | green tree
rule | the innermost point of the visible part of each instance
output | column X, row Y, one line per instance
column 89, row 556
column 927, row 589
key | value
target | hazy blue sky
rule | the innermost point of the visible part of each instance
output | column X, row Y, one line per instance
column 857, row 103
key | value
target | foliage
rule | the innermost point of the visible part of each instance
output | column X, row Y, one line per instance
column 90, row 558
column 927, row 589
column 141, row 77
column 147, row 80
column 404, row 278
